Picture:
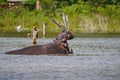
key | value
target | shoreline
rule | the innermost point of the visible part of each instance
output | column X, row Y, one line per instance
column 54, row 34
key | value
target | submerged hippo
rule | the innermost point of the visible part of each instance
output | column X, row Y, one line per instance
column 58, row 47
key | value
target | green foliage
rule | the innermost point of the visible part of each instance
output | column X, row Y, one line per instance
column 30, row 2
column 3, row 1
column 85, row 16
column 78, row 8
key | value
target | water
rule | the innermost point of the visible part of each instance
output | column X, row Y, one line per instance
column 93, row 59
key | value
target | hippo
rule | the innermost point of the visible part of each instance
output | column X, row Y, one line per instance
column 59, row 46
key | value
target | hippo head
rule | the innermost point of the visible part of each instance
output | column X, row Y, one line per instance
column 65, row 34
column 70, row 35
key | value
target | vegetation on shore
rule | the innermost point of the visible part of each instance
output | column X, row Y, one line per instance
column 84, row 17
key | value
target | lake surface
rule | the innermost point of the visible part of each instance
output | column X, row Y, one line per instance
column 93, row 59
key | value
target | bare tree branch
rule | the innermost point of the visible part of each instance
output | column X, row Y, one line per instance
column 66, row 21
column 59, row 24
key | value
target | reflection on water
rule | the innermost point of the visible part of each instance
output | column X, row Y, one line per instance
column 93, row 59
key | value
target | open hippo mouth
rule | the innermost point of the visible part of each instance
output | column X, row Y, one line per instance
column 65, row 34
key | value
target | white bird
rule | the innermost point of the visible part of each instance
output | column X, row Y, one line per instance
column 19, row 28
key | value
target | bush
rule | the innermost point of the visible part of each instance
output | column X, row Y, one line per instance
column 81, row 18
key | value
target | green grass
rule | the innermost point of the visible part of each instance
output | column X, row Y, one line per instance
column 82, row 24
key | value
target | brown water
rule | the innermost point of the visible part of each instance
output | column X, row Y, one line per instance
column 93, row 59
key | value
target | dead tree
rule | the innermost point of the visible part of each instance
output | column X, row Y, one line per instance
column 44, row 29
column 59, row 24
column 65, row 20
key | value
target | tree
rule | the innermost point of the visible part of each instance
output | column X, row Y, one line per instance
column 38, row 4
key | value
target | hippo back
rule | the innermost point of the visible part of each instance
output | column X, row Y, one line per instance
column 51, row 48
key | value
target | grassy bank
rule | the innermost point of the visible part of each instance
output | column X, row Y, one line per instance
column 81, row 19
